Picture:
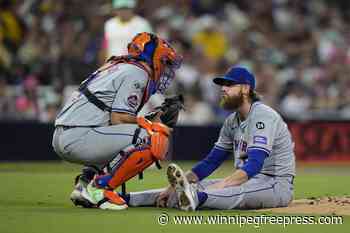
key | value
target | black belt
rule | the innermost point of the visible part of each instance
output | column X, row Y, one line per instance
column 67, row 127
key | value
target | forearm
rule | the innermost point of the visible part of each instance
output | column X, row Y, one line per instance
column 237, row 178
column 122, row 118
column 251, row 168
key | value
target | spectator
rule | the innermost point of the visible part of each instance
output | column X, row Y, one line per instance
column 210, row 39
column 295, row 103
column 7, row 110
column 122, row 27
column 27, row 105
column 284, row 42
column 197, row 111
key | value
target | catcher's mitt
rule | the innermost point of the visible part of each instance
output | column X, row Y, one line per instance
column 170, row 109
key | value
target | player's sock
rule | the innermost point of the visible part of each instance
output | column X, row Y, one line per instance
column 125, row 196
column 202, row 197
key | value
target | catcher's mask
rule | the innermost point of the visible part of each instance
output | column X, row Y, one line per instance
column 157, row 53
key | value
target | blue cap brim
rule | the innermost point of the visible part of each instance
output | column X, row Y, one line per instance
column 224, row 81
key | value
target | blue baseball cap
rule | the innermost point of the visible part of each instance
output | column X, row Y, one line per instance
column 236, row 75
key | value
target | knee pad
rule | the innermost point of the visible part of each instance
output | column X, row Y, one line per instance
column 159, row 137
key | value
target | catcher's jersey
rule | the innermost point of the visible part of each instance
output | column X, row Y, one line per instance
column 121, row 87
column 263, row 129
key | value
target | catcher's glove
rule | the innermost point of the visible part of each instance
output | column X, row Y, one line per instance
column 170, row 109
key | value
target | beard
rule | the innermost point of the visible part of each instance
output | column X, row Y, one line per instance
column 231, row 103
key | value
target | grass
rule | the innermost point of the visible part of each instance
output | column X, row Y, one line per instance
column 34, row 199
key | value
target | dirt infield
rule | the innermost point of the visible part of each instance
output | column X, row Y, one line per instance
column 323, row 205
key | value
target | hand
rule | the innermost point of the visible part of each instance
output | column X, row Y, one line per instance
column 237, row 178
column 164, row 196
column 154, row 116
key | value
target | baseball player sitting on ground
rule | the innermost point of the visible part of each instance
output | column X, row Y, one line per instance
column 263, row 158
column 98, row 126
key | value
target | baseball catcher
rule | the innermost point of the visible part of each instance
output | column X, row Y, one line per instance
column 99, row 128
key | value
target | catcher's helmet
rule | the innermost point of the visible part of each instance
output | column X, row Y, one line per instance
column 157, row 53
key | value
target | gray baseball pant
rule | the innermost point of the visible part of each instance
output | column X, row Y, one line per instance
column 261, row 191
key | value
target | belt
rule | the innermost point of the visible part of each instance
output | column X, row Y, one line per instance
column 67, row 127
column 64, row 127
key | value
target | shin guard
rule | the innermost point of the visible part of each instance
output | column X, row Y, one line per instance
column 136, row 158
column 135, row 163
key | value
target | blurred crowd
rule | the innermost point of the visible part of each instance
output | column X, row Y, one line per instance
column 298, row 50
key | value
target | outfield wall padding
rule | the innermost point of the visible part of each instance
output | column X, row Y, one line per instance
column 315, row 141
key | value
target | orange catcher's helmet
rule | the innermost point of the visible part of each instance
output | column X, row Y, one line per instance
column 157, row 53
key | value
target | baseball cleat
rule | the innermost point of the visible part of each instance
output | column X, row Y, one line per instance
column 187, row 195
column 103, row 198
column 77, row 198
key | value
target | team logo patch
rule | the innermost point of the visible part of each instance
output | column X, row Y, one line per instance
column 260, row 140
column 133, row 101
column 260, row 125
column 137, row 85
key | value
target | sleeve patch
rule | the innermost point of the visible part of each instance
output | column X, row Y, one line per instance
column 138, row 85
column 260, row 125
column 260, row 140
column 133, row 101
